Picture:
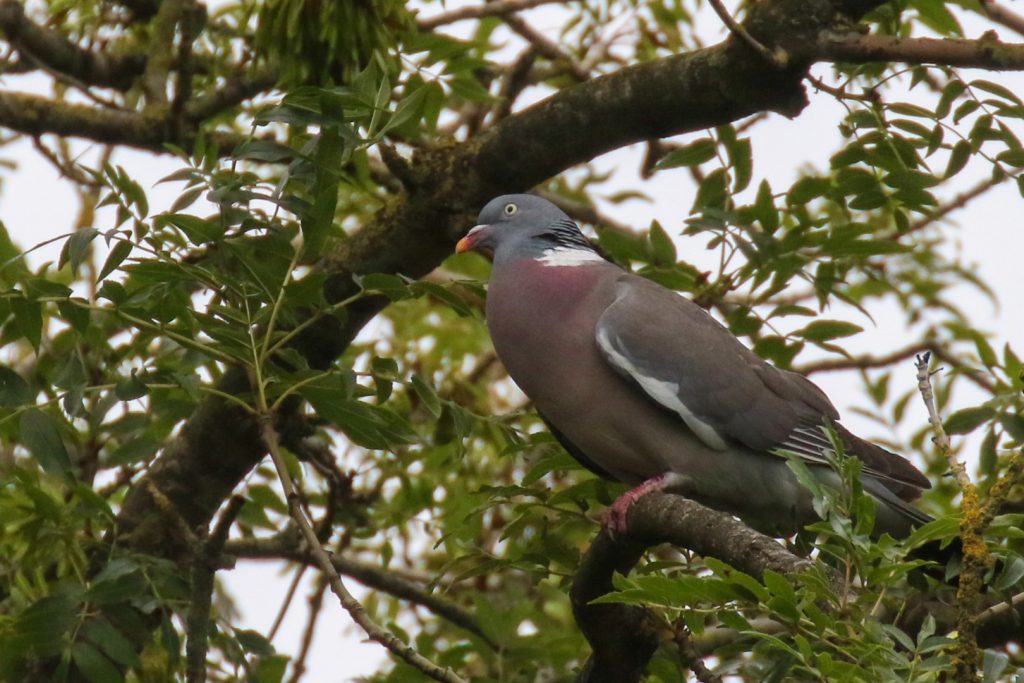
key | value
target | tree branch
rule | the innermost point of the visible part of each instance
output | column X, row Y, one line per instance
column 987, row 52
column 285, row 547
column 624, row 637
column 490, row 9
column 1003, row 15
column 53, row 49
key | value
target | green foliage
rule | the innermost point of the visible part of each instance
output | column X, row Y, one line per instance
column 412, row 448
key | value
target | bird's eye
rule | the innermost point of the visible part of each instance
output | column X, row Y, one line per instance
column 510, row 209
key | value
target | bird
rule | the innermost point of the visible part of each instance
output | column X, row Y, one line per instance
column 643, row 386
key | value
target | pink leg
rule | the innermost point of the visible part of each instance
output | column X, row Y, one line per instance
column 615, row 515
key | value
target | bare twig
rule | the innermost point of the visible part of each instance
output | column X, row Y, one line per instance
column 967, row 655
column 287, row 602
column 690, row 656
column 391, row 581
column 987, row 52
column 355, row 609
column 776, row 58
column 204, row 568
column 545, row 46
column 840, row 93
column 154, row 80
column 490, row 9
column 861, row 362
column 1003, row 15
column 316, row 603
column 958, row 202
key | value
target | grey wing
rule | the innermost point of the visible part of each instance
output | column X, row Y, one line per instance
column 690, row 364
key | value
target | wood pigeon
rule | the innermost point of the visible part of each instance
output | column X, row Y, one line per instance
column 643, row 386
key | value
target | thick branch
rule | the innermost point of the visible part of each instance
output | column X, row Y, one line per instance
column 988, row 52
column 53, row 49
column 624, row 637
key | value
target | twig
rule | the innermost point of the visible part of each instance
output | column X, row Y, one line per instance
column 391, row 581
column 690, row 656
column 154, row 80
column 861, row 362
column 967, row 656
column 316, row 603
column 987, row 52
column 1003, row 16
column 840, row 93
column 958, row 202
column 323, row 561
column 545, row 46
column 515, row 80
column 287, row 602
column 204, row 568
column 924, row 385
column 489, row 9
column 776, row 58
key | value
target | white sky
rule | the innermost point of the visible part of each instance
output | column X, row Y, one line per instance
column 36, row 204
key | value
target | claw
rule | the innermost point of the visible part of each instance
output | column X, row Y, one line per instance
column 617, row 513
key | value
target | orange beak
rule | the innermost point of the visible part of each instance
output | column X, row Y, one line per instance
column 466, row 243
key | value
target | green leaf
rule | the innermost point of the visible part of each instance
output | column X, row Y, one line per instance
column 823, row 330
column 697, row 152
column 1013, row 157
column 806, row 189
column 130, row 388
column 330, row 149
column 967, row 420
column 197, row 230
column 76, row 248
column 41, row 628
column 957, row 158
column 14, row 391
column 427, row 395
column 41, row 437
column 118, row 253
column 28, row 315
column 254, row 642
column 662, row 248
column 112, row 642
column 94, row 665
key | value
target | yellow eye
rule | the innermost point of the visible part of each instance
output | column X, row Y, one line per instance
column 510, row 209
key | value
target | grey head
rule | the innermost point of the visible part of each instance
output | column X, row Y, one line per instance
column 523, row 225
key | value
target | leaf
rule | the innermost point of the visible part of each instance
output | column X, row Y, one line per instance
column 118, row 253
column 967, row 420
column 695, row 153
column 806, row 189
column 198, row 231
column 957, row 158
column 427, row 395
column 823, row 330
column 662, row 248
column 112, row 642
column 14, row 391
column 1014, row 157
column 76, row 248
column 28, row 315
column 330, row 149
column 41, row 437
column 94, row 665
column 41, row 628
column 254, row 642
column 130, row 388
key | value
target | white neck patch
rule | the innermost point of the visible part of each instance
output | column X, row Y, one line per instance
column 568, row 257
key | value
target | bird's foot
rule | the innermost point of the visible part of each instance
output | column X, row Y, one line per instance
column 615, row 516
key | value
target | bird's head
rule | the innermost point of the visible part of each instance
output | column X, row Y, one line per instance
column 523, row 225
